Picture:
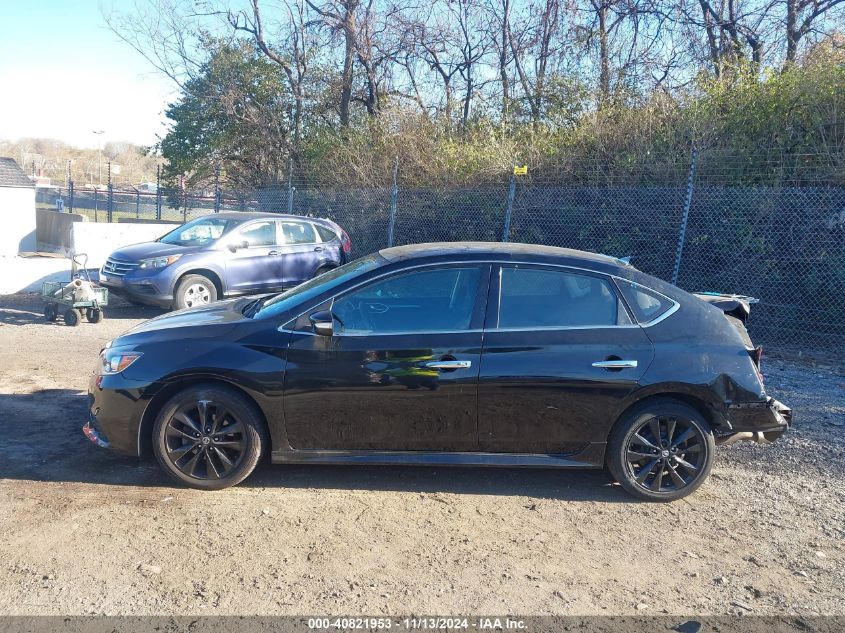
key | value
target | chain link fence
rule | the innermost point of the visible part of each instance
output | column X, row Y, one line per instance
column 781, row 239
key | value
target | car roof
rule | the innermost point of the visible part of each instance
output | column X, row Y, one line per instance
column 495, row 250
column 245, row 216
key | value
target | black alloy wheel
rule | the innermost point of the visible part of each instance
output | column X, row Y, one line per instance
column 661, row 451
column 209, row 437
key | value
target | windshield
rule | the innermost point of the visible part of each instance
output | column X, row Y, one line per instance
column 313, row 287
column 199, row 232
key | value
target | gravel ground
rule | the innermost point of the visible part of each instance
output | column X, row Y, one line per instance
column 89, row 532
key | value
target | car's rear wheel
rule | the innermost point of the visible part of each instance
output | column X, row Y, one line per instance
column 323, row 269
column 209, row 437
column 194, row 290
column 661, row 450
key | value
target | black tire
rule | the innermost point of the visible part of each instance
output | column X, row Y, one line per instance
column 206, row 457
column 323, row 269
column 71, row 317
column 51, row 312
column 663, row 469
column 93, row 315
column 194, row 290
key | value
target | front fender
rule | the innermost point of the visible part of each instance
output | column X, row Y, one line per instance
column 255, row 370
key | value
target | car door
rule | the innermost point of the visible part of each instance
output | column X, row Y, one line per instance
column 560, row 353
column 254, row 260
column 399, row 372
column 302, row 251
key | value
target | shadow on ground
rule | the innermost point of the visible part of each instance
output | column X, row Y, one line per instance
column 41, row 440
column 31, row 312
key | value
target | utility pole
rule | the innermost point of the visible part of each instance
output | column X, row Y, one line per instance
column 99, row 134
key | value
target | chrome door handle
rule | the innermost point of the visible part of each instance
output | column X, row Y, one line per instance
column 448, row 364
column 615, row 364
column 275, row 253
column 318, row 249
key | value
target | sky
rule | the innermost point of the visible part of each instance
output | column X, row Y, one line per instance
column 63, row 75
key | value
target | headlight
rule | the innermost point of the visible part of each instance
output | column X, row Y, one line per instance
column 113, row 361
column 159, row 262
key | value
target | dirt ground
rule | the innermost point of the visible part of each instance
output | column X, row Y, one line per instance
column 84, row 531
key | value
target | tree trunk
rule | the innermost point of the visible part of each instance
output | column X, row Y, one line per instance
column 792, row 32
column 503, row 60
column 467, row 100
column 447, row 87
column 348, row 60
column 604, row 57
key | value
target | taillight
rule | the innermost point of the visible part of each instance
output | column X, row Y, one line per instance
column 345, row 241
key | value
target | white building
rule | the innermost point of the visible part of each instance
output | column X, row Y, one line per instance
column 17, row 210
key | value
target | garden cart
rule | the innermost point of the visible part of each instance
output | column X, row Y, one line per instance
column 75, row 298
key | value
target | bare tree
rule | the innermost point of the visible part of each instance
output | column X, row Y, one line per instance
column 166, row 33
column 536, row 43
column 628, row 37
column 734, row 31
column 341, row 18
column 293, row 61
column 379, row 46
column 434, row 44
column 801, row 18
column 500, row 28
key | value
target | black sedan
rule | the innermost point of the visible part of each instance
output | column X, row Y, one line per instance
column 475, row 354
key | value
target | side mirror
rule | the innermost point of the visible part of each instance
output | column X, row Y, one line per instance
column 322, row 322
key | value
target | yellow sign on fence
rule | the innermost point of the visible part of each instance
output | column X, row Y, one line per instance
column 520, row 171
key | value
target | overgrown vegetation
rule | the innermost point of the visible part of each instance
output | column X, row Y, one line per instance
column 461, row 90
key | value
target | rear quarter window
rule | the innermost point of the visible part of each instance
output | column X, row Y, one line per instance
column 646, row 304
column 326, row 234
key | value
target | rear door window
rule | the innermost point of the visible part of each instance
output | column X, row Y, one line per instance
column 549, row 298
column 298, row 233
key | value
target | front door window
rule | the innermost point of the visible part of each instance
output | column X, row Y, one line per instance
column 257, row 234
column 422, row 301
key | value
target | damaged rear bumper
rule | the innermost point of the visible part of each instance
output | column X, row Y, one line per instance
column 761, row 422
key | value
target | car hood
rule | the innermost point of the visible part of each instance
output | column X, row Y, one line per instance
column 201, row 322
column 145, row 250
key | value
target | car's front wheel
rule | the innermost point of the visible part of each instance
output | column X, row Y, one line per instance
column 661, row 450
column 209, row 437
column 194, row 290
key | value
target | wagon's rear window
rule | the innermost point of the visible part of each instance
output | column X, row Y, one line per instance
column 646, row 304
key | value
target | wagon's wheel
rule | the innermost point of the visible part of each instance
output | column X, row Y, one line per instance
column 94, row 315
column 71, row 317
